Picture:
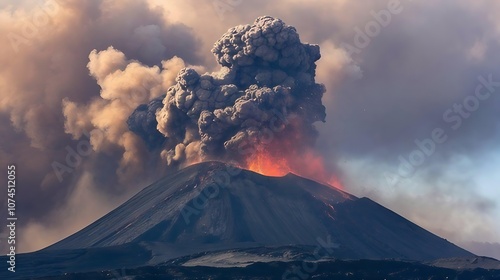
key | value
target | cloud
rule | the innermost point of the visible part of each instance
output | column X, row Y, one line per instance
column 125, row 84
column 44, row 72
column 483, row 248
column 85, row 203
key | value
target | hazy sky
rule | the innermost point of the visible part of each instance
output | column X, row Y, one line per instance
column 397, row 73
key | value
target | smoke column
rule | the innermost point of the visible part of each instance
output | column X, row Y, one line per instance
column 260, row 106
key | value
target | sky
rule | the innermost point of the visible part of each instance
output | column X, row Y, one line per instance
column 411, row 99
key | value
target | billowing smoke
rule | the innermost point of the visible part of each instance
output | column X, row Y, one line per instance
column 65, row 129
column 264, row 92
column 143, row 123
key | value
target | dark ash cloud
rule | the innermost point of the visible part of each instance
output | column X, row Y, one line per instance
column 267, row 77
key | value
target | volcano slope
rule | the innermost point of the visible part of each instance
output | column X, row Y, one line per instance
column 212, row 207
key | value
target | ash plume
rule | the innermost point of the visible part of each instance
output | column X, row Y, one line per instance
column 143, row 123
column 266, row 85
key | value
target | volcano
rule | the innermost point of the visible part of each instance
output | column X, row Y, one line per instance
column 191, row 209
column 216, row 212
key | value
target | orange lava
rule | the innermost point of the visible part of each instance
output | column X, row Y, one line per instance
column 306, row 164
column 267, row 165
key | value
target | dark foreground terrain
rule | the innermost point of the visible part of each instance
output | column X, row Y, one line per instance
column 338, row 269
column 286, row 262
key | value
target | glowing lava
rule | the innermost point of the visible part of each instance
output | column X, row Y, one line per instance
column 307, row 164
column 267, row 165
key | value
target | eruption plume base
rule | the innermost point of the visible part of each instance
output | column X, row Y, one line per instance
column 306, row 164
